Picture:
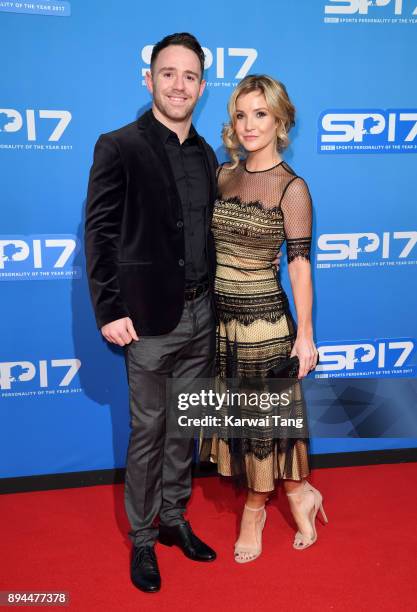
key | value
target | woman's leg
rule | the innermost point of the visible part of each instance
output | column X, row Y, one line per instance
column 305, row 502
column 252, row 517
column 301, row 502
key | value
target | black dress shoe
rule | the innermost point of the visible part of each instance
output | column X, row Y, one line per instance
column 144, row 570
column 183, row 536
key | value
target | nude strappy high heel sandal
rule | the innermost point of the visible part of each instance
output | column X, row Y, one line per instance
column 310, row 508
column 244, row 554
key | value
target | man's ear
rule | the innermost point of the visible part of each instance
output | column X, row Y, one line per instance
column 202, row 87
column 149, row 81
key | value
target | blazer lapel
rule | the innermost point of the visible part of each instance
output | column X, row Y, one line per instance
column 163, row 165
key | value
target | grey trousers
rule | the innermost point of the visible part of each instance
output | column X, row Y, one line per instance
column 158, row 470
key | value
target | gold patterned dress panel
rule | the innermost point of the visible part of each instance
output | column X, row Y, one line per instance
column 254, row 214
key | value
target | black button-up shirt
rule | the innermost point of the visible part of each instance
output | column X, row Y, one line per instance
column 190, row 173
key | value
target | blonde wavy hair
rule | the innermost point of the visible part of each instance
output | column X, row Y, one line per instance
column 278, row 102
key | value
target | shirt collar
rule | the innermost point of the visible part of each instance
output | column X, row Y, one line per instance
column 165, row 133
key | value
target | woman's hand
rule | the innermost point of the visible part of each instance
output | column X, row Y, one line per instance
column 276, row 261
column 307, row 353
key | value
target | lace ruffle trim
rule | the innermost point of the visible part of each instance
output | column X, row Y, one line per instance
column 247, row 318
column 298, row 247
column 237, row 203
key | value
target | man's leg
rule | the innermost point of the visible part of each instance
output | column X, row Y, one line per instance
column 194, row 360
column 147, row 382
column 149, row 362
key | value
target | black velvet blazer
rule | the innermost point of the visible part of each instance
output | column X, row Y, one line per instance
column 134, row 232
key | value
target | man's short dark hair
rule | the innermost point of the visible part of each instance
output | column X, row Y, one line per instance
column 185, row 40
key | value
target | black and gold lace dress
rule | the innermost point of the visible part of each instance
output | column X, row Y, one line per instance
column 254, row 214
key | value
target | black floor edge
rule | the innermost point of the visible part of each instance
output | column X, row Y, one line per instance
column 46, row 482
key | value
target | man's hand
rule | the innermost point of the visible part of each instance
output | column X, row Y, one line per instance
column 275, row 263
column 120, row 332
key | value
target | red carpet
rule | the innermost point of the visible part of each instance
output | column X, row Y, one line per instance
column 365, row 558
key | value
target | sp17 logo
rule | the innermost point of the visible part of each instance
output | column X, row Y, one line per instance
column 35, row 124
column 363, row 7
column 387, row 357
column 354, row 246
column 368, row 131
column 217, row 58
column 44, row 374
column 38, row 257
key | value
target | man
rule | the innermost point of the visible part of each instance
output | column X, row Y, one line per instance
column 151, row 261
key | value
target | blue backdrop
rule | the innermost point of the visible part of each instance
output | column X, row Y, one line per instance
column 72, row 70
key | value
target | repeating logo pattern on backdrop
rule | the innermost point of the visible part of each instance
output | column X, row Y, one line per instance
column 39, row 257
column 367, row 131
column 42, row 120
column 225, row 66
column 39, row 377
column 366, row 249
column 388, row 357
column 49, row 8
column 34, row 130
column 396, row 12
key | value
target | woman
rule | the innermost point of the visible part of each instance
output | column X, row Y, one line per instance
column 261, row 203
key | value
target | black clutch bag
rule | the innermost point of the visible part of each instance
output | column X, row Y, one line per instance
column 288, row 368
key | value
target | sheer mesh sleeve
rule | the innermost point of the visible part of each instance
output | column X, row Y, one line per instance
column 297, row 210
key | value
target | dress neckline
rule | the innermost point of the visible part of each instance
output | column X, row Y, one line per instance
column 258, row 171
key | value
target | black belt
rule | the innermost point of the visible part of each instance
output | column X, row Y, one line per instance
column 194, row 292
